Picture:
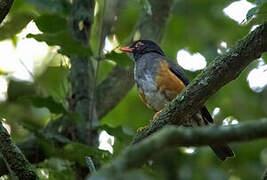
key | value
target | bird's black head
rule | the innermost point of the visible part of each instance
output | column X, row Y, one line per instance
column 141, row 47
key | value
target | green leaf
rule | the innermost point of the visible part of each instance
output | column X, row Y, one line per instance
column 18, row 89
column 263, row 12
column 264, row 57
column 116, row 131
column 54, row 82
column 21, row 6
column 147, row 7
column 90, row 164
column 56, row 33
column 260, row 2
column 48, row 102
column 76, row 152
column 51, row 23
column 52, row 6
column 251, row 13
column 127, row 18
column 55, row 168
column 68, row 45
column 257, row 15
column 121, row 138
column 3, row 73
column 14, row 25
column 104, row 69
column 76, row 117
column 121, row 59
column 80, row 151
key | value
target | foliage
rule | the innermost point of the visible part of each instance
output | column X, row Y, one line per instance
column 257, row 14
column 196, row 26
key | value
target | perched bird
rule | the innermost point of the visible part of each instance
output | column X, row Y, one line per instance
column 160, row 79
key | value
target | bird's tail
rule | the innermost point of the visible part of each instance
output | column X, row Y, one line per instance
column 223, row 151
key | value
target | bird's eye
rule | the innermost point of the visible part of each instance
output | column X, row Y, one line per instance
column 139, row 44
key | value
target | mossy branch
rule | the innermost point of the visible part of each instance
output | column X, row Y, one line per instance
column 172, row 136
column 14, row 158
column 82, row 72
column 5, row 6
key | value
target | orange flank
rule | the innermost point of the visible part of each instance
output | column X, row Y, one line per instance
column 169, row 84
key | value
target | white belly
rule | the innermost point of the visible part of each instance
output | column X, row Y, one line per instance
column 154, row 99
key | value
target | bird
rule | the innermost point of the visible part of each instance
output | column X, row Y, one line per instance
column 159, row 80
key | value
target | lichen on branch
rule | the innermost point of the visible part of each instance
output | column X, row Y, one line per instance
column 14, row 158
column 5, row 6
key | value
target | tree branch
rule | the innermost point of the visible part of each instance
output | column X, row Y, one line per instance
column 264, row 176
column 220, row 71
column 110, row 94
column 5, row 6
column 14, row 158
column 173, row 136
column 82, row 72
column 150, row 26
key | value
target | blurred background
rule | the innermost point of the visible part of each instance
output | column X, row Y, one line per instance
column 34, row 85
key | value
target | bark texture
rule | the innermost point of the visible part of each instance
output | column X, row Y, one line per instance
column 5, row 6
column 14, row 158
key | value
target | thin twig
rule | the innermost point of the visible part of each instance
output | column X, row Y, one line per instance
column 93, row 100
column 90, row 164
column 24, row 65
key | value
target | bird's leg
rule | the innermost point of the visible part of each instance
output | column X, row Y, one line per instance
column 141, row 128
column 156, row 115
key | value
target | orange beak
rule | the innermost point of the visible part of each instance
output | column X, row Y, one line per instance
column 126, row 49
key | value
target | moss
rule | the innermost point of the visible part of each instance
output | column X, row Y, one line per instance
column 14, row 158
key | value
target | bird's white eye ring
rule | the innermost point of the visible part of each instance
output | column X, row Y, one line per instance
column 139, row 44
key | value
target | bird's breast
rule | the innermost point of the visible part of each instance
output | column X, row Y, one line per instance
column 148, row 88
column 156, row 83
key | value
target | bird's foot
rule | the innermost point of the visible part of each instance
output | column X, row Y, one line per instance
column 141, row 128
column 156, row 115
column 154, row 118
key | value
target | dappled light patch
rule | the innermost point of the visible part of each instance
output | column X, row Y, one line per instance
column 238, row 10
column 110, row 44
column 106, row 141
column 3, row 88
column 188, row 150
column 257, row 77
column 191, row 62
column 229, row 120
column 216, row 111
